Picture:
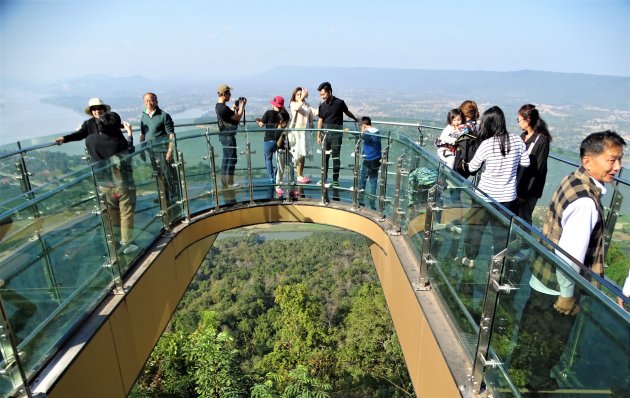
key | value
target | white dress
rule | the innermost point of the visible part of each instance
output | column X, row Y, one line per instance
column 301, row 142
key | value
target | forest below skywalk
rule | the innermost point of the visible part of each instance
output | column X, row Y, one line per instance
column 280, row 318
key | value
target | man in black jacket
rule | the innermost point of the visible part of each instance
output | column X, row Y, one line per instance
column 107, row 145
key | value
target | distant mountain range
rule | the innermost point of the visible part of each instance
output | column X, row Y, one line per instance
column 611, row 92
column 494, row 87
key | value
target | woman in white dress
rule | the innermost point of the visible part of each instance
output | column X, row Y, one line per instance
column 301, row 142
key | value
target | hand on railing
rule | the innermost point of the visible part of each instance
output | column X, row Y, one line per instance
column 566, row 306
column 59, row 140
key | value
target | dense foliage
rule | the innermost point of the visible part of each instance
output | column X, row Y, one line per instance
column 280, row 318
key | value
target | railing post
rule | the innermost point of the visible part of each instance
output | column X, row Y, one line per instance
column 323, row 171
column 382, row 191
column 611, row 220
column 162, row 188
column 13, row 370
column 27, row 188
column 213, row 169
column 248, row 155
column 421, row 136
column 396, row 211
column 355, row 175
column 111, row 241
column 184, row 187
column 493, row 288
column 425, row 260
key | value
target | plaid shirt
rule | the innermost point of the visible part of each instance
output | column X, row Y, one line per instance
column 572, row 187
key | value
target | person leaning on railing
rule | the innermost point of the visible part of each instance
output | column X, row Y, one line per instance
column 575, row 223
column 104, row 141
column 331, row 111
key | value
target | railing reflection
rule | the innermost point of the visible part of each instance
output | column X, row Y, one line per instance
column 61, row 252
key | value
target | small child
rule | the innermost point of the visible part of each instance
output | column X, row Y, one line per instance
column 371, row 161
column 445, row 144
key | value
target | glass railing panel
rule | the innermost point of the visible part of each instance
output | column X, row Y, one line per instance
column 463, row 259
column 49, row 163
column 421, row 175
column 137, row 213
column 198, row 150
column 10, row 176
column 618, row 253
column 51, row 281
column 264, row 189
column 543, row 350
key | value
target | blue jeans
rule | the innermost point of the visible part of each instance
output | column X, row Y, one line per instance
column 228, row 163
column 369, row 170
column 269, row 148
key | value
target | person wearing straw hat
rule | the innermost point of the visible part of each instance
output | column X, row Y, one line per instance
column 107, row 145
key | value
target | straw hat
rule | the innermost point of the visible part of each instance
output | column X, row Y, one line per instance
column 96, row 102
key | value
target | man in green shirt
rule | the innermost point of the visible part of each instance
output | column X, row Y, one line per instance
column 157, row 125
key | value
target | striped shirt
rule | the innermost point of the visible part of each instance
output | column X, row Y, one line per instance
column 498, row 178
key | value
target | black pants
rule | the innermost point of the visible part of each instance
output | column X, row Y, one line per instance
column 542, row 337
column 332, row 143
column 478, row 218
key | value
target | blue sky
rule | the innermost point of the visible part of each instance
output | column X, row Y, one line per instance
column 44, row 41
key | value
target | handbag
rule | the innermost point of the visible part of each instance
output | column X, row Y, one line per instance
column 280, row 140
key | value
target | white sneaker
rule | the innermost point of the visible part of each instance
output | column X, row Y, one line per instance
column 455, row 229
column 468, row 262
column 437, row 226
column 235, row 185
column 128, row 249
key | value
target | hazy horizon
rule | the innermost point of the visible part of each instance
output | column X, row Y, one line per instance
column 168, row 39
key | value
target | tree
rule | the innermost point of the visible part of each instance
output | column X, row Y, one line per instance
column 369, row 350
column 299, row 383
column 211, row 354
column 301, row 337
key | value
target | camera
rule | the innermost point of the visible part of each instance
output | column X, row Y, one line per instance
column 239, row 101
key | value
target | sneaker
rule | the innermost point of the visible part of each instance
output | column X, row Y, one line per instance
column 335, row 183
column 438, row 226
column 295, row 194
column 303, row 180
column 280, row 192
column 325, row 184
column 234, row 186
column 128, row 249
column 522, row 254
column 456, row 229
column 468, row 262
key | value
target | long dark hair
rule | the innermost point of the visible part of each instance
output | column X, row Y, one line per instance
column 530, row 113
column 493, row 125
column 295, row 90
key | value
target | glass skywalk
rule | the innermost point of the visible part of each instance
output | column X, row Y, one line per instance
column 60, row 253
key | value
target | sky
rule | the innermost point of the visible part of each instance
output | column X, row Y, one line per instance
column 45, row 41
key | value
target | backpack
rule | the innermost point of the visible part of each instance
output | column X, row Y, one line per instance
column 465, row 148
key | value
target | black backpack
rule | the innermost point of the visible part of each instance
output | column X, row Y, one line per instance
column 465, row 147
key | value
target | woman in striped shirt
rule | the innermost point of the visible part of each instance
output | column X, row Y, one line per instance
column 500, row 153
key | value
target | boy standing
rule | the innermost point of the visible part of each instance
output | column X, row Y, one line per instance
column 371, row 160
